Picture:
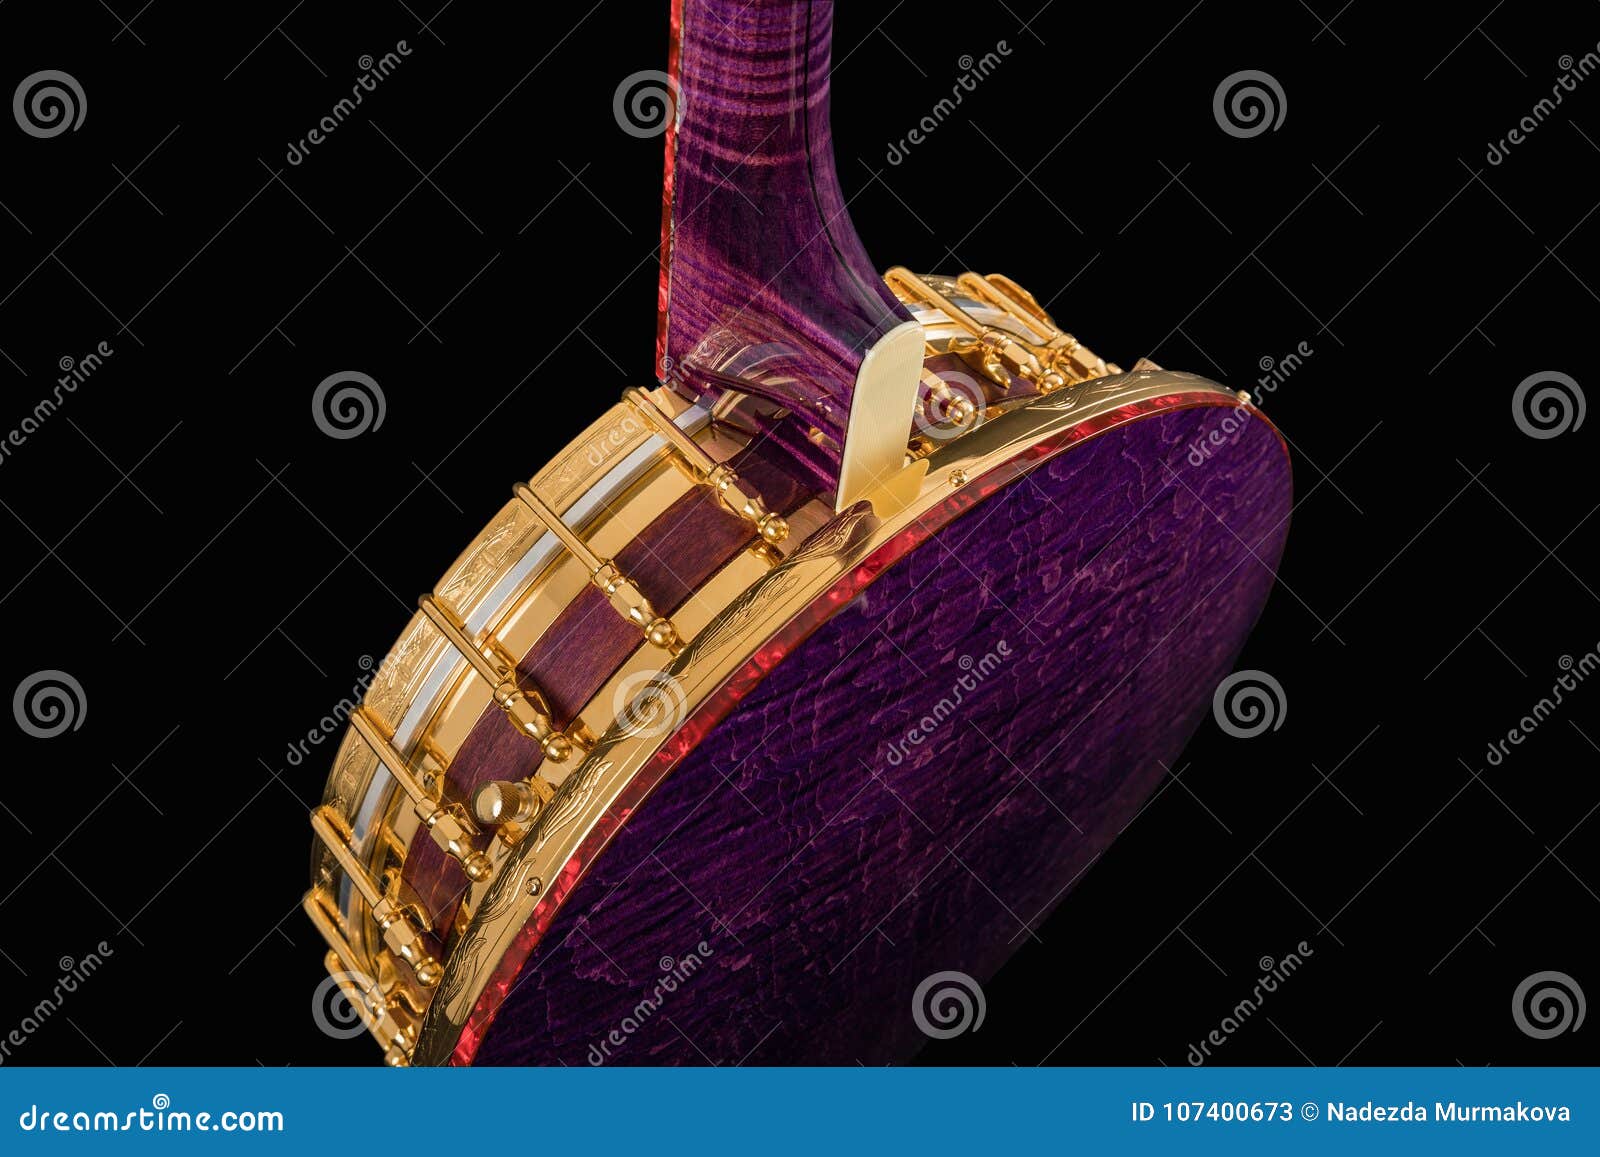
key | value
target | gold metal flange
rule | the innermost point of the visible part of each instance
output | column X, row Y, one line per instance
column 403, row 929
column 718, row 476
column 1047, row 356
column 506, row 590
column 725, row 645
column 626, row 598
column 1060, row 352
column 447, row 823
column 523, row 704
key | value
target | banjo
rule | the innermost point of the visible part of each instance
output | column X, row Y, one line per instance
column 766, row 719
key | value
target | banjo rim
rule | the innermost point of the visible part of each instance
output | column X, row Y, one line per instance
column 742, row 644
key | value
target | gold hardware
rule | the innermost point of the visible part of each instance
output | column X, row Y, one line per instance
column 420, row 702
column 720, row 478
column 317, row 907
column 999, row 353
column 447, row 823
column 402, row 932
column 1060, row 352
column 425, row 660
column 524, row 706
column 627, row 599
column 958, row 408
column 730, row 641
column 381, row 1013
column 1047, row 356
column 505, row 802
column 395, row 1031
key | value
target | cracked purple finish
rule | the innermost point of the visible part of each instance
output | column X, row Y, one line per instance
column 812, row 863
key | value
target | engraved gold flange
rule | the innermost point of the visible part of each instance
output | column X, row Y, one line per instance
column 726, row 644
column 455, row 659
column 390, row 786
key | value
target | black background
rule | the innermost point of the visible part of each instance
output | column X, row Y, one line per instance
column 480, row 238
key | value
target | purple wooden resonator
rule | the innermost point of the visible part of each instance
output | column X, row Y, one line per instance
column 917, row 785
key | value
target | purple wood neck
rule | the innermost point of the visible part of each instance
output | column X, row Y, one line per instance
column 765, row 287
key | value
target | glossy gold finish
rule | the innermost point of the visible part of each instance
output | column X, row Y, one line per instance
column 1042, row 353
column 726, row 643
column 504, row 802
column 322, row 918
column 390, row 1026
column 1060, row 352
column 1000, row 354
column 525, row 706
column 942, row 404
column 447, row 823
column 460, row 652
column 361, row 986
column 399, row 924
column 626, row 598
column 718, row 476
column 436, row 680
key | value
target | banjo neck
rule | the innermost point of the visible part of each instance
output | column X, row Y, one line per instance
column 612, row 616
column 766, row 289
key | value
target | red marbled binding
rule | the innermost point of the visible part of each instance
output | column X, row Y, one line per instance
column 829, row 879
column 827, row 871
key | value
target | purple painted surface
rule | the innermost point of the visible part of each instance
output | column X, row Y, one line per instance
column 766, row 286
column 808, row 842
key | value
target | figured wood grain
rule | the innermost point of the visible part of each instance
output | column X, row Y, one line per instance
column 765, row 285
column 810, row 846
column 589, row 641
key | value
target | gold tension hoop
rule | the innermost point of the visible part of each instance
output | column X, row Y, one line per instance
column 1050, row 358
column 390, row 969
column 407, row 937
